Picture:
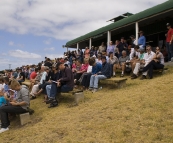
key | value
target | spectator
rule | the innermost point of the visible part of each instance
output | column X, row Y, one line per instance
column 102, row 48
column 169, row 41
column 2, row 99
column 113, row 61
column 92, row 51
column 33, row 74
column 110, row 48
column 103, row 74
column 156, row 63
column 87, row 52
column 134, row 56
column 117, row 47
column 21, row 76
column 20, row 106
column 67, row 63
column 141, row 40
column 99, row 59
column 123, row 61
column 48, row 63
column 14, row 74
column 148, row 57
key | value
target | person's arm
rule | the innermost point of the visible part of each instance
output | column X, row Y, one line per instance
column 68, row 76
column 144, row 41
column 171, row 37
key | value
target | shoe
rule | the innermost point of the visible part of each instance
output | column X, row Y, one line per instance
column 94, row 90
column 33, row 97
column 134, row 76
column 53, row 104
column 90, row 89
column 49, row 101
column 4, row 129
column 122, row 75
column 143, row 77
column 114, row 75
column 31, row 111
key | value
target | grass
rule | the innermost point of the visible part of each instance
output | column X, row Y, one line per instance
column 142, row 112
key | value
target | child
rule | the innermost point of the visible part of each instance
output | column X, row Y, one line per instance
column 2, row 99
column 6, row 82
column 19, row 106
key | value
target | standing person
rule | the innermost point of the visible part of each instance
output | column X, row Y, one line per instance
column 169, row 41
column 141, row 40
column 110, row 48
column 102, row 48
column 87, row 52
column 19, row 106
column 92, row 51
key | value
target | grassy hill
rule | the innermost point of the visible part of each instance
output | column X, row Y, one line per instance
column 142, row 112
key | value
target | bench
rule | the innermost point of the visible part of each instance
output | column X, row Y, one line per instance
column 24, row 118
column 27, row 83
column 121, row 82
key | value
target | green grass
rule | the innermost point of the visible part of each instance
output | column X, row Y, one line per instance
column 142, row 112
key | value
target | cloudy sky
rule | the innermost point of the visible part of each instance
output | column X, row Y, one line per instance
column 33, row 29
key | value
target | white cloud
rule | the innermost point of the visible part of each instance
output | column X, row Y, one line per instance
column 66, row 19
column 11, row 43
column 48, row 41
column 24, row 54
column 53, row 56
column 49, row 49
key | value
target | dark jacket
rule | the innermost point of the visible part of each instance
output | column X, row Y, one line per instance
column 106, row 70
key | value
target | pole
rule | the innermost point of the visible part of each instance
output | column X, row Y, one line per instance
column 90, row 43
column 137, row 31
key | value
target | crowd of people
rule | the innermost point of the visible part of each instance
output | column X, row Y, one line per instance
column 77, row 68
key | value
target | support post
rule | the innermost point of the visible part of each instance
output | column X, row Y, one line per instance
column 67, row 49
column 90, row 43
column 108, row 37
column 137, row 31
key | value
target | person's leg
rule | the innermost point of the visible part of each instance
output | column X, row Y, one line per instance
column 96, row 80
column 169, row 54
column 147, row 67
column 111, row 68
column 84, row 80
column 4, row 110
column 114, row 69
column 48, row 88
column 136, row 69
column 87, row 83
column 123, row 68
column 34, row 90
column 66, row 88
column 171, row 49
column 54, row 90
column 77, row 76
column 92, row 81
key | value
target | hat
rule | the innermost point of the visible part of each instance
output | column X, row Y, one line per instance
column 168, row 24
column 54, row 65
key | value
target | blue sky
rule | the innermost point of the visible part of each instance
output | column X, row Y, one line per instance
column 33, row 29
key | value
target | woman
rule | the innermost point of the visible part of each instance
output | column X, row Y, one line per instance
column 156, row 63
column 113, row 61
column 87, row 52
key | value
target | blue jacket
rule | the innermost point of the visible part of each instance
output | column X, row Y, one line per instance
column 142, row 40
column 97, row 68
column 106, row 70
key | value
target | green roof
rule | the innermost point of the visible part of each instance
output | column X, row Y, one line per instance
column 131, row 19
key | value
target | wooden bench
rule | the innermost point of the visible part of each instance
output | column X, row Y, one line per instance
column 24, row 118
column 27, row 83
column 121, row 82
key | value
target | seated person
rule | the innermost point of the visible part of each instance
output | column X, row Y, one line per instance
column 2, row 99
column 33, row 74
column 19, row 106
column 83, row 69
column 21, row 76
column 148, row 57
column 134, row 56
column 113, row 61
column 96, row 67
column 78, row 67
column 35, row 88
column 74, row 66
column 6, row 83
column 122, row 63
column 64, row 84
column 67, row 63
column 54, row 77
column 156, row 63
column 99, row 59
column 14, row 74
column 2, row 83
column 103, row 74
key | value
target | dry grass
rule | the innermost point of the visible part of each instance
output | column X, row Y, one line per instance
column 142, row 112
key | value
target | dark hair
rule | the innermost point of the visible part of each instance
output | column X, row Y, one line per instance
column 92, row 61
column 110, row 53
column 104, row 57
column 6, row 79
column 58, row 64
column 79, row 61
column 136, row 47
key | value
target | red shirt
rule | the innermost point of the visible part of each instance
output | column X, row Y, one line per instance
column 169, row 35
column 33, row 75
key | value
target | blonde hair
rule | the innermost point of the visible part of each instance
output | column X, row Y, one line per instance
column 14, row 84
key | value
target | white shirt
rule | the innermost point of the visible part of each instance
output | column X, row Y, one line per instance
column 148, row 57
column 2, row 86
column 89, row 69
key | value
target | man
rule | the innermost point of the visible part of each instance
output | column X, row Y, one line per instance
column 148, row 57
column 122, row 47
column 133, row 44
column 64, row 84
column 103, row 74
column 169, row 41
column 110, row 48
column 102, row 48
column 48, row 63
column 141, row 40
column 21, row 76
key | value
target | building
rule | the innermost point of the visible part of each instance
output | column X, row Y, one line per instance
column 152, row 21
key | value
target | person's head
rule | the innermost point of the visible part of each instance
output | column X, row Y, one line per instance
column 136, row 47
column 168, row 25
column 92, row 47
column 42, row 68
column 86, row 48
column 102, row 44
column 86, row 61
column 110, row 43
column 132, row 37
column 117, row 42
column 92, row 61
column 6, row 80
column 60, row 66
column 54, row 67
column 157, row 49
column 148, row 48
column 46, row 69
column 78, row 62
column 103, row 59
column 141, row 50
column 122, row 39
column 15, row 85
column 124, row 53
column 95, row 48
column 141, row 33
column 110, row 54
column 99, row 56
column 1, row 80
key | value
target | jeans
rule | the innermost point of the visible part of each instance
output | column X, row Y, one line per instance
column 4, row 110
column 86, row 80
column 169, row 48
column 152, row 65
column 54, row 89
column 95, row 79
column 48, row 88
column 43, row 87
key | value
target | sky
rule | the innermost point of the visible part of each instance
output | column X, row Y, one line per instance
column 33, row 29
